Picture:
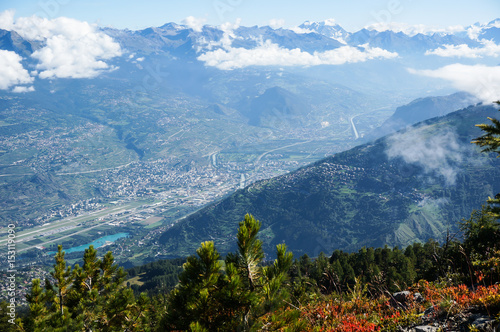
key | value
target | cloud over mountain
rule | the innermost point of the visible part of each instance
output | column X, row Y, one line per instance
column 412, row 30
column 23, row 89
column 12, row 71
column 270, row 54
column 196, row 24
column 71, row 48
column 489, row 48
column 479, row 80
column 276, row 23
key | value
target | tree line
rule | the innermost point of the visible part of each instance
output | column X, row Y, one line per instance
column 235, row 292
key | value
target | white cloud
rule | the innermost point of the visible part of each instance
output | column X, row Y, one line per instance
column 489, row 49
column 276, row 23
column 474, row 31
column 436, row 154
column 72, row 49
column 330, row 22
column 230, row 26
column 66, row 58
column 7, row 19
column 438, row 202
column 299, row 30
column 479, row 80
column 12, row 71
column 269, row 54
column 412, row 30
column 194, row 23
column 227, row 37
column 23, row 89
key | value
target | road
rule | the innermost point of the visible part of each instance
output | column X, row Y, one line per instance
column 282, row 147
column 354, row 130
column 353, row 126
column 95, row 170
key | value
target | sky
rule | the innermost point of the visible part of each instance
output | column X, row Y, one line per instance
column 352, row 15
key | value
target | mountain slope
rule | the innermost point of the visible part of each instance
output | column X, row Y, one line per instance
column 422, row 109
column 406, row 187
column 275, row 106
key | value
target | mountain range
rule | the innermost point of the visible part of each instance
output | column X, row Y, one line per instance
column 310, row 36
column 320, row 49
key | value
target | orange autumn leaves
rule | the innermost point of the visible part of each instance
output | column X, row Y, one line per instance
column 364, row 314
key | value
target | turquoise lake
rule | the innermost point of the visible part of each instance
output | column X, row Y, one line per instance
column 96, row 243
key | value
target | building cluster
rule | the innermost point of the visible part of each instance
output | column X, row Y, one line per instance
column 23, row 283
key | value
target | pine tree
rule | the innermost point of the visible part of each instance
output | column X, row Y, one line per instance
column 194, row 299
column 98, row 299
column 481, row 233
column 305, row 265
column 250, row 252
column 62, row 276
column 490, row 142
column 84, row 296
column 216, row 298
column 86, row 299
column 275, row 279
column 38, row 311
column 5, row 325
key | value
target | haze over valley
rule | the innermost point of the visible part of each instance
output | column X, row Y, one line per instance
column 182, row 128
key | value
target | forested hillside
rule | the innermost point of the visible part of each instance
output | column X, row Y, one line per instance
column 242, row 292
column 403, row 188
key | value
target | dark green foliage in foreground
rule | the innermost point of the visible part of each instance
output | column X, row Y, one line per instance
column 231, row 295
column 87, row 298
column 235, row 293
column 157, row 277
column 5, row 325
column 394, row 269
column 490, row 142
column 382, row 269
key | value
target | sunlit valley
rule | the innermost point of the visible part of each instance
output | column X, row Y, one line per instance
column 150, row 142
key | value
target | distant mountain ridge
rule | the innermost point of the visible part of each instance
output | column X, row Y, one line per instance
column 309, row 37
column 276, row 107
column 422, row 109
column 12, row 41
column 326, row 28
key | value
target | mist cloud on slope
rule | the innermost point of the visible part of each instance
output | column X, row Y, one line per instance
column 436, row 154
